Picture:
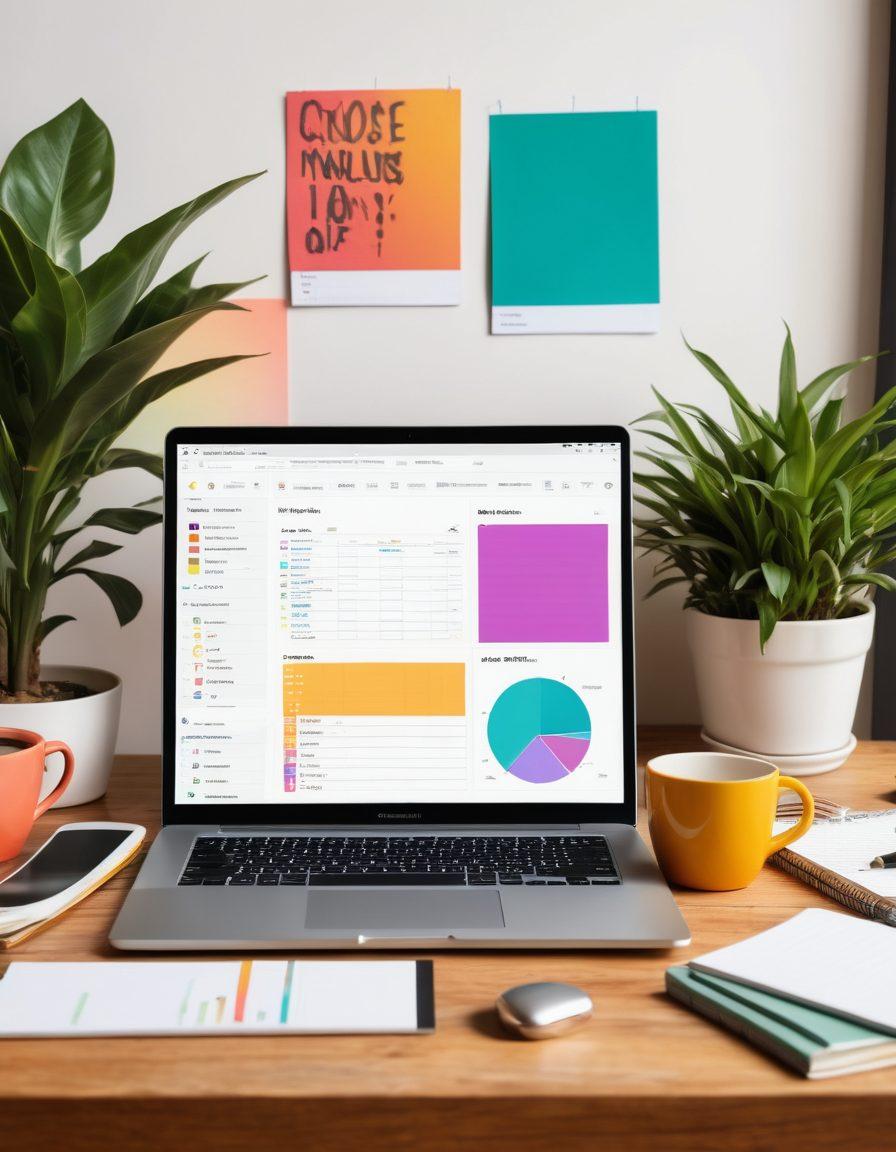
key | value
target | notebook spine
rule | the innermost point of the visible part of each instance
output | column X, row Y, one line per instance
column 852, row 896
column 736, row 1024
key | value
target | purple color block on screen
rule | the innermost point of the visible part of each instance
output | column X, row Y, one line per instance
column 537, row 764
column 543, row 584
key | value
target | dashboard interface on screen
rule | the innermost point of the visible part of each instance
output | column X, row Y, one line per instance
column 407, row 623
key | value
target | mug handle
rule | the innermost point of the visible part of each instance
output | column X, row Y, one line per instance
column 68, row 768
column 802, row 825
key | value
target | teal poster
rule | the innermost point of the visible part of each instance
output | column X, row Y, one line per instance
column 574, row 218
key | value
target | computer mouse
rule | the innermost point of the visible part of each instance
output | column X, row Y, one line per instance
column 542, row 1011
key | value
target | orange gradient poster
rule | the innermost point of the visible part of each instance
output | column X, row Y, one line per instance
column 373, row 196
column 249, row 392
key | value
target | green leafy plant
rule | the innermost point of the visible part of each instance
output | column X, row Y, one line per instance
column 787, row 515
column 77, row 348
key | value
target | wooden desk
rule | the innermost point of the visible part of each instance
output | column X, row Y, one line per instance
column 646, row 1073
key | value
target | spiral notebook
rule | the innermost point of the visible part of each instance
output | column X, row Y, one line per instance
column 834, row 857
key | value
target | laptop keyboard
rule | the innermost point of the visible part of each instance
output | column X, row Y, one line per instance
column 385, row 861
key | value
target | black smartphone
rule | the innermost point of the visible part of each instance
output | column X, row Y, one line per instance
column 71, row 854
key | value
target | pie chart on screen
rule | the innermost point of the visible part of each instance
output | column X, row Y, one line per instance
column 539, row 730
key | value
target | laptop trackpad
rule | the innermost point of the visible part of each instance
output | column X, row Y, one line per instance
column 404, row 909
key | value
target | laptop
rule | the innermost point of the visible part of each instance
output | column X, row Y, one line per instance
column 398, row 705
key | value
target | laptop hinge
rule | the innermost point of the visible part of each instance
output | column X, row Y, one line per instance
column 235, row 829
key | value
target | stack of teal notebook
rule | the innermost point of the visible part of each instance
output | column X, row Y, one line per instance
column 813, row 1042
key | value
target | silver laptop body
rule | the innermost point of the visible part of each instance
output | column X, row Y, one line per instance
column 398, row 695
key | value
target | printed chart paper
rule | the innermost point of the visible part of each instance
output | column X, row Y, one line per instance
column 175, row 998
column 373, row 197
column 251, row 391
column 575, row 233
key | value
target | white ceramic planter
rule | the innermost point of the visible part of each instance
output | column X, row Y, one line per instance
column 794, row 704
column 89, row 726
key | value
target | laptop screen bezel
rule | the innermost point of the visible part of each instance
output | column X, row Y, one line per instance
column 465, row 813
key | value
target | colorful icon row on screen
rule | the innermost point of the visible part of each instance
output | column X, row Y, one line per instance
column 290, row 745
column 193, row 549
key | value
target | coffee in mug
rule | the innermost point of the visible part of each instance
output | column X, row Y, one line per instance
column 7, row 747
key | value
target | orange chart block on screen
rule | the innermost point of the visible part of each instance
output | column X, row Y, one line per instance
column 374, row 689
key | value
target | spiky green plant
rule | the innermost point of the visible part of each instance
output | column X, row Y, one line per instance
column 77, row 348
column 785, row 516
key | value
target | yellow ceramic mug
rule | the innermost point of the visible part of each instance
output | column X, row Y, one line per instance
column 711, row 814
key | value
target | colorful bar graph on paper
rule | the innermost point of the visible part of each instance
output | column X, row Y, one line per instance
column 210, row 997
column 543, row 584
column 242, row 989
column 80, row 1006
column 287, row 991
column 373, row 689
column 185, row 1003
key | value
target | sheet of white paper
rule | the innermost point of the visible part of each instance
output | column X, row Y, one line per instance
column 164, row 998
column 828, row 960
column 848, row 847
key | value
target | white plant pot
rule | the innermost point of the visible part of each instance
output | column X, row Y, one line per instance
column 88, row 725
column 796, row 703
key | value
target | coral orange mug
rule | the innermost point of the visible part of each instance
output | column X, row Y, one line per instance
column 23, row 755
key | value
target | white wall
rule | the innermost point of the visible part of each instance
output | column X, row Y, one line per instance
column 771, row 122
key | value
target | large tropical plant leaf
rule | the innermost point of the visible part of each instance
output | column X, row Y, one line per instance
column 16, row 274
column 117, row 458
column 153, row 388
column 130, row 520
column 57, row 181
column 126, row 598
column 175, row 296
column 50, row 624
column 49, row 327
column 114, row 283
column 103, row 381
column 95, row 550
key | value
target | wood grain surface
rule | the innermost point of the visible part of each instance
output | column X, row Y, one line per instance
column 644, row 1073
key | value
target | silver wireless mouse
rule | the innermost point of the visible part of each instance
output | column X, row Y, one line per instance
column 542, row 1011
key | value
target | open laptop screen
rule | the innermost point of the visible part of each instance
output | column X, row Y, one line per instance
column 404, row 624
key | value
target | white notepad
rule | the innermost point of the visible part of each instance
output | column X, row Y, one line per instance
column 828, row 960
column 848, row 845
column 216, row 998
